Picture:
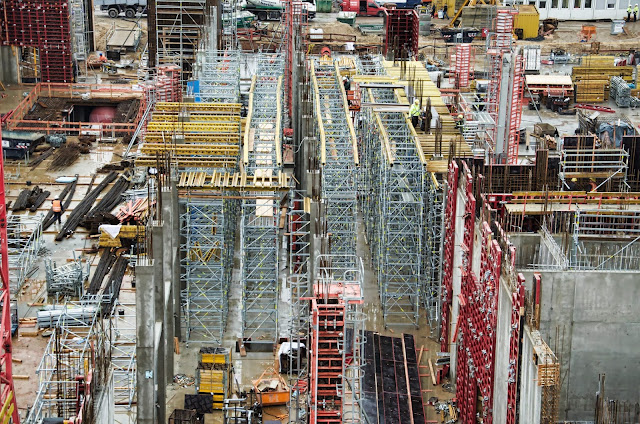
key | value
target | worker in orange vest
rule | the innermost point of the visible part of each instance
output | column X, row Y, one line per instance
column 56, row 207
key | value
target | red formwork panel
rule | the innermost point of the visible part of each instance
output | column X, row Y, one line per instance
column 402, row 29
column 477, row 338
column 326, row 361
column 43, row 24
column 449, row 248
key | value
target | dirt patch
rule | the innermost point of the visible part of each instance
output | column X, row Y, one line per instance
column 103, row 25
column 29, row 350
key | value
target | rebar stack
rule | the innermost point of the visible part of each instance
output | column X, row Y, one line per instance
column 338, row 159
column 24, row 240
column 260, row 244
column 620, row 91
column 393, row 207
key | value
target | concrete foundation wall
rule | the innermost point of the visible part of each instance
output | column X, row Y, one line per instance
column 8, row 65
column 501, row 355
column 598, row 320
column 104, row 404
column 530, row 392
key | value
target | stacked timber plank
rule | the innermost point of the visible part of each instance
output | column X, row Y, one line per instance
column 135, row 233
column 592, row 78
column 436, row 152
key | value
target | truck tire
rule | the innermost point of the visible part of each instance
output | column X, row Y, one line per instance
column 380, row 14
column 113, row 12
column 262, row 16
column 130, row 13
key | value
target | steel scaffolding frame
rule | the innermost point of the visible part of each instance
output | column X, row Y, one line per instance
column 299, row 227
column 259, row 229
column 433, row 239
column 207, row 227
column 123, row 354
column 24, row 240
column 179, row 29
column 338, row 158
column 218, row 75
column 605, row 164
column 337, row 341
column 75, row 349
column 394, row 202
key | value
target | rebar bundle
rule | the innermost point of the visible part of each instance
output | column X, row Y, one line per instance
column 65, row 197
column 78, row 213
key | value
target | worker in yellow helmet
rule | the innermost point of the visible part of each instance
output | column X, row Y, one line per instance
column 414, row 112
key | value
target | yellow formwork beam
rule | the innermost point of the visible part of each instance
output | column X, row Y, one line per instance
column 316, row 95
column 161, row 137
column 347, row 115
column 190, row 149
column 202, row 162
column 194, row 117
column 180, row 127
column 383, row 132
column 199, row 180
column 211, row 107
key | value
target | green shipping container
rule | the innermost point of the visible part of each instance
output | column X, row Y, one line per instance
column 323, row 6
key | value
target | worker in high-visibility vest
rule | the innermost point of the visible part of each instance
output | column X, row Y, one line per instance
column 629, row 12
column 414, row 112
column 635, row 12
column 56, row 207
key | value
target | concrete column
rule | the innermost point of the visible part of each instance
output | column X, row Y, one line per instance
column 145, row 319
column 169, row 251
column 160, row 340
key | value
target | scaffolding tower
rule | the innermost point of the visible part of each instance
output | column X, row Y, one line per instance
column 217, row 76
column 299, row 228
column 123, row 354
column 338, row 159
column 208, row 228
column 433, row 240
column 393, row 205
column 179, row 29
column 260, row 242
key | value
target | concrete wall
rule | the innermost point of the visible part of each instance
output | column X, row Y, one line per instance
column 104, row 404
column 501, row 355
column 530, row 392
column 598, row 320
column 8, row 65
column 457, row 277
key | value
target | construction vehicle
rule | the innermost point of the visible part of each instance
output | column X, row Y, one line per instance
column 129, row 7
column 363, row 7
column 271, row 10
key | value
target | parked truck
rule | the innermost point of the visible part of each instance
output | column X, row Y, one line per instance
column 115, row 7
column 271, row 10
column 362, row 7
